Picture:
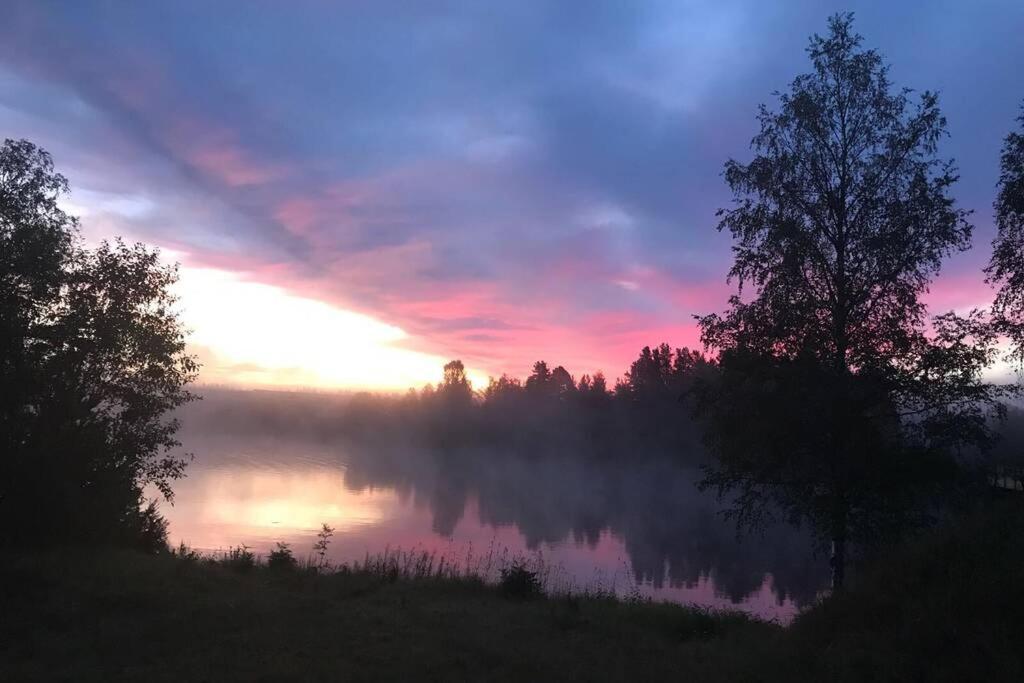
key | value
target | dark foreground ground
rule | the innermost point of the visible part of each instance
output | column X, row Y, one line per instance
column 949, row 608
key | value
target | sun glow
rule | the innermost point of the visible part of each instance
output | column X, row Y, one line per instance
column 256, row 334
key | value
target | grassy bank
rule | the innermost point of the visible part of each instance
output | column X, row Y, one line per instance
column 125, row 616
column 949, row 608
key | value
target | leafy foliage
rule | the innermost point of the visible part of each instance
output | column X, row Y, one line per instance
column 844, row 215
column 240, row 558
column 852, row 409
column 92, row 359
column 282, row 558
column 456, row 387
column 1006, row 267
column 323, row 540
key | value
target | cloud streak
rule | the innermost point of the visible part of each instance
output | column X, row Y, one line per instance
column 503, row 184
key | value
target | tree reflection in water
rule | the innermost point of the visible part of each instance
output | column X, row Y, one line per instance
column 599, row 514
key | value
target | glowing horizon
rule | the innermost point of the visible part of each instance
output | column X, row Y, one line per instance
column 259, row 335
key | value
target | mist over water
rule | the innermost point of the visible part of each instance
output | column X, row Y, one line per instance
column 629, row 524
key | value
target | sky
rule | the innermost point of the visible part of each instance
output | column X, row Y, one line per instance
column 358, row 191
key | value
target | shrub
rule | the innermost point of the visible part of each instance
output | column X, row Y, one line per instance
column 281, row 559
column 240, row 559
column 183, row 552
column 146, row 528
column 519, row 583
column 323, row 540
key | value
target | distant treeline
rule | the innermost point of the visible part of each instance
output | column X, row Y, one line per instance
column 645, row 411
column 649, row 410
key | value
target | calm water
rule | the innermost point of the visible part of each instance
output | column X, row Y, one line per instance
column 631, row 528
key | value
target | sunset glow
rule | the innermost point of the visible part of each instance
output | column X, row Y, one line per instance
column 442, row 191
column 257, row 334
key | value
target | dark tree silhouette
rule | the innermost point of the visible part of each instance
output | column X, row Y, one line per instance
column 563, row 385
column 650, row 376
column 455, row 385
column 660, row 374
column 831, row 391
column 502, row 390
column 92, row 358
column 539, row 381
column 1006, row 268
column 593, row 387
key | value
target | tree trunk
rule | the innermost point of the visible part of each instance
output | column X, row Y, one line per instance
column 838, row 562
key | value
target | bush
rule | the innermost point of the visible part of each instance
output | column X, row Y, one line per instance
column 240, row 559
column 147, row 529
column 186, row 554
column 519, row 583
column 282, row 558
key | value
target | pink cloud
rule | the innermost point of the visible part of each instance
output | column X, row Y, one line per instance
column 516, row 312
column 487, row 323
column 298, row 215
column 233, row 166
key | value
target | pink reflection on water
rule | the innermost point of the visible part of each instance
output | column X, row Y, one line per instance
column 258, row 502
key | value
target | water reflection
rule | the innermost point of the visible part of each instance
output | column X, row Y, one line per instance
column 267, row 503
column 633, row 526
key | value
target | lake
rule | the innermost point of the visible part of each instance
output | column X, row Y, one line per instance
column 636, row 528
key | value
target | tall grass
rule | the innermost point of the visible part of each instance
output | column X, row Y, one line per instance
column 533, row 572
